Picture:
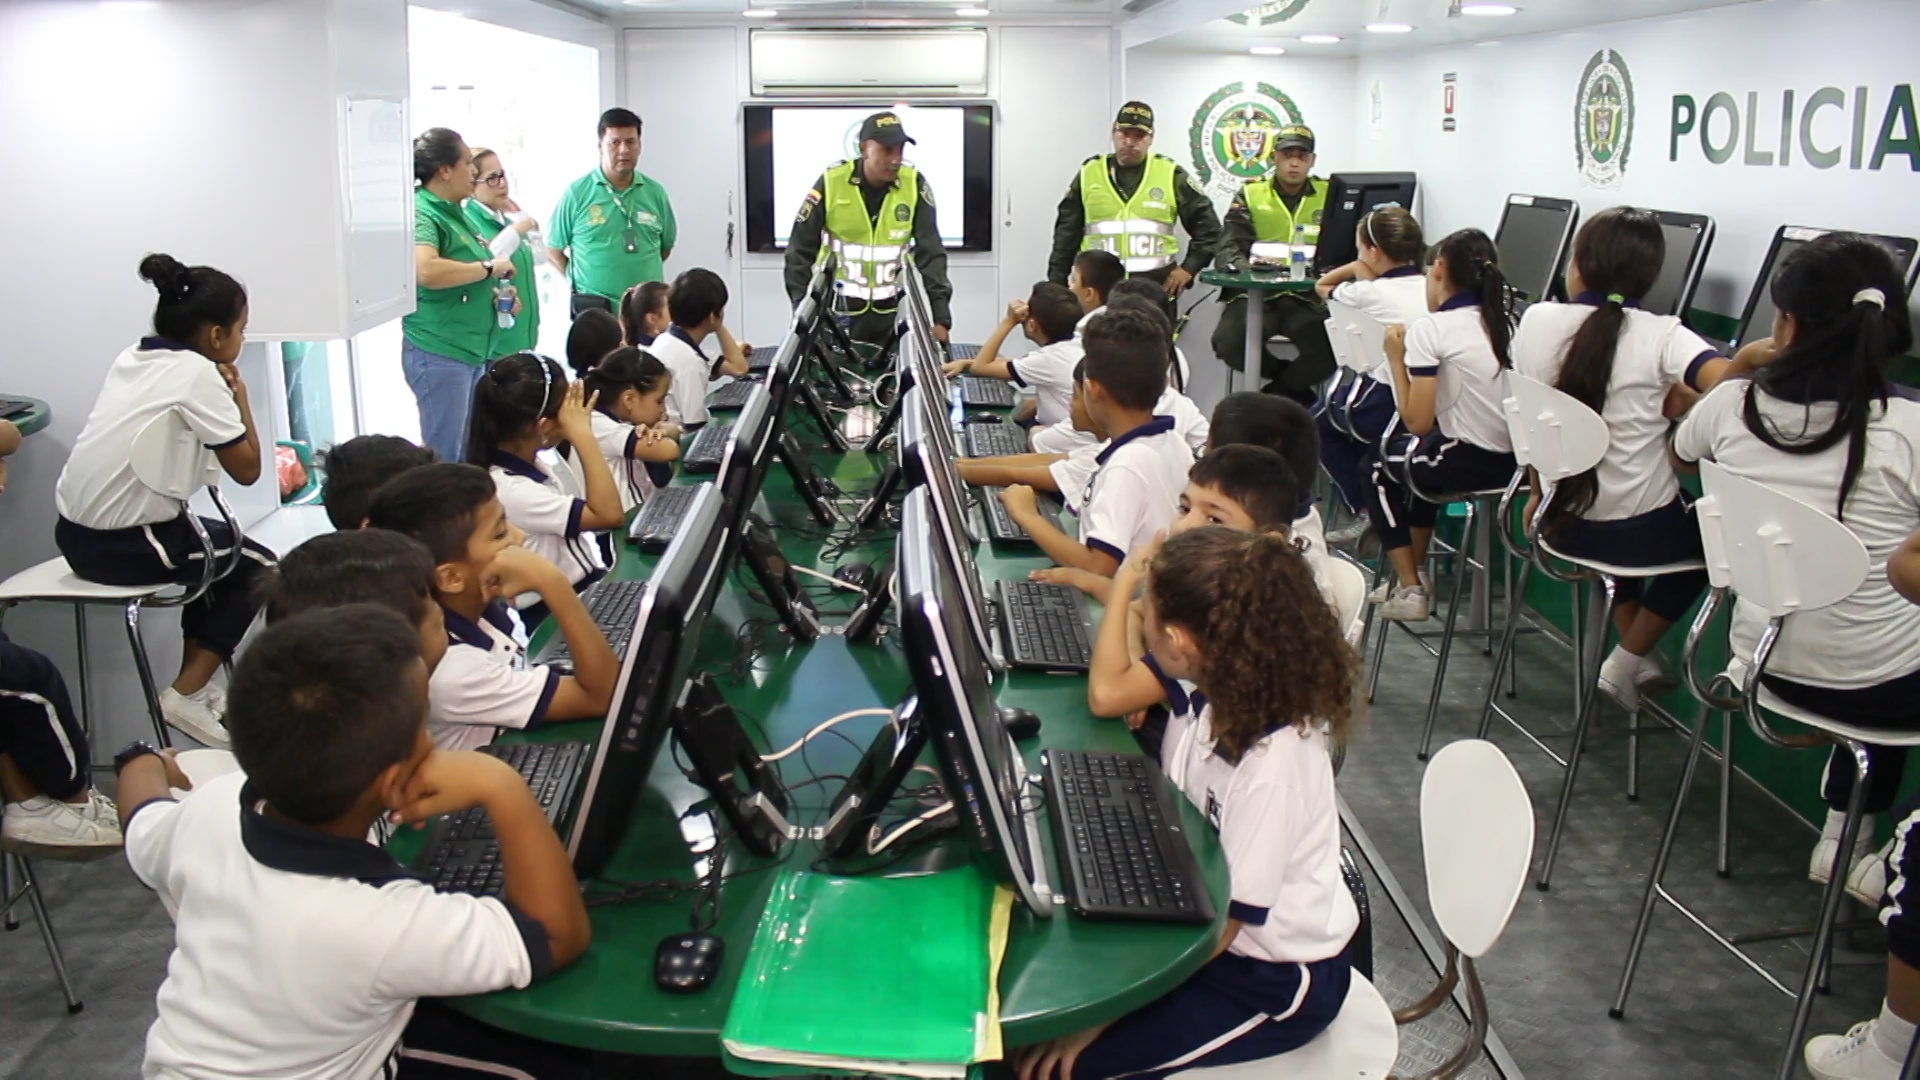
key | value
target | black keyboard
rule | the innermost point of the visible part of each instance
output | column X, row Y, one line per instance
column 612, row 605
column 962, row 352
column 731, row 396
column 708, row 449
column 12, row 407
column 461, row 854
column 1001, row 528
column 1123, row 853
column 659, row 518
column 980, row 392
column 995, row 440
column 761, row 360
column 1046, row 625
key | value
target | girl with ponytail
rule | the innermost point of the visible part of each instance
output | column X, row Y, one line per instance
column 1817, row 422
column 1635, row 369
column 1450, row 381
column 629, row 387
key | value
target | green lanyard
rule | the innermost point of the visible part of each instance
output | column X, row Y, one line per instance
column 628, row 236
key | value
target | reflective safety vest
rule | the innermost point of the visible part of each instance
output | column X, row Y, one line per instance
column 1138, row 230
column 1273, row 223
column 872, row 252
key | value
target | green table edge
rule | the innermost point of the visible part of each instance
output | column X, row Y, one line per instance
column 34, row 419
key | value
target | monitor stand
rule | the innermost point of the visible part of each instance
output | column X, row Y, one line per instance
column 830, row 431
column 875, row 510
column 747, row 789
column 884, row 428
column 864, row 624
column 806, row 481
column 829, row 363
column 854, row 817
column 770, row 569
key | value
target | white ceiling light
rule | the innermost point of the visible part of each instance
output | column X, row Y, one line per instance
column 1320, row 39
column 1267, row 50
column 755, row 13
column 1389, row 28
column 972, row 12
column 1488, row 9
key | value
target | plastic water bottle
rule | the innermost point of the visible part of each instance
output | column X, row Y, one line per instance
column 1299, row 253
column 503, row 297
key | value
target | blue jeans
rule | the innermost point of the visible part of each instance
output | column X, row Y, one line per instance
column 443, row 388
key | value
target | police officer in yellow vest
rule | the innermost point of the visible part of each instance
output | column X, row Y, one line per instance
column 1127, row 202
column 872, row 212
column 1264, row 220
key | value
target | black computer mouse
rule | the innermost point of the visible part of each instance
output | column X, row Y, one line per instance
column 985, row 418
column 686, row 963
column 857, row 574
column 1020, row 723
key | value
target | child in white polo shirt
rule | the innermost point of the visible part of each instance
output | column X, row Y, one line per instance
column 299, row 948
column 629, row 389
column 1048, row 317
column 485, row 683
column 697, row 304
column 1135, row 487
column 1067, row 437
column 1238, row 614
column 523, row 408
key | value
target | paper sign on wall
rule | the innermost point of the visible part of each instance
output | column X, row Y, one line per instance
column 1448, row 83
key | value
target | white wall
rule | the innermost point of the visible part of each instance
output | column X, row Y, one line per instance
column 1516, row 114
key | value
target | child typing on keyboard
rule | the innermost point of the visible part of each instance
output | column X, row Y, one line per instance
column 1048, row 317
column 1238, row 613
column 629, row 389
column 523, row 407
column 271, row 864
column 484, row 683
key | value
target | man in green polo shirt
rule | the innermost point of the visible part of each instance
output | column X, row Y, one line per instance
column 614, row 226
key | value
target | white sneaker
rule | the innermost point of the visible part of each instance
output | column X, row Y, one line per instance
column 1351, row 531
column 217, row 697
column 101, row 809
column 1853, row 1056
column 44, row 822
column 1867, row 882
column 1654, row 678
column 192, row 715
column 1387, row 588
column 1827, row 849
column 1407, row 604
column 1619, row 684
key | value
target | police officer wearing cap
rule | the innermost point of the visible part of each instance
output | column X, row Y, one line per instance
column 1127, row 202
column 1270, row 214
column 871, row 212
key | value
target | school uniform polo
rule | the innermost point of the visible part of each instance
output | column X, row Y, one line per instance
column 484, row 683
column 458, row 322
column 1192, row 424
column 1397, row 296
column 1654, row 353
column 1048, row 372
column 614, row 240
column 1470, row 403
column 1135, row 489
column 544, row 501
column 618, row 441
column 299, row 954
column 692, row 372
column 1080, row 328
column 97, row 488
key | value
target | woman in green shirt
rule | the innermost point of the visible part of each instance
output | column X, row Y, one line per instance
column 511, row 234
column 450, row 336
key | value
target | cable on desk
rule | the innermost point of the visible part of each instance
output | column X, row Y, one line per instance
column 825, row 725
column 907, row 828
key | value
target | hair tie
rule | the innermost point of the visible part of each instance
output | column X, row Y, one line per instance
column 1872, row 296
column 1616, row 298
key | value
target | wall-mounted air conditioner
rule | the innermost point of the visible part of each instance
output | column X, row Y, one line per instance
column 856, row 63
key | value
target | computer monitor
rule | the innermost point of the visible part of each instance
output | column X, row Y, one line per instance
column 1756, row 319
column 1535, row 235
column 1689, row 237
column 982, row 768
column 666, row 634
column 743, row 470
column 924, row 466
column 1350, row 197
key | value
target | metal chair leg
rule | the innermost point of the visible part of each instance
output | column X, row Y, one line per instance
column 1633, row 756
column 7, row 897
column 1829, row 911
column 1380, row 640
column 1503, row 661
column 1597, row 613
column 1462, row 575
column 145, row 669
column 39, row 905
column 1687, row 769
column 86, row 693
column 1723, row 862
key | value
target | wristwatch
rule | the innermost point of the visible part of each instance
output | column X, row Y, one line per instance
column 487, row 265
column 139, row 748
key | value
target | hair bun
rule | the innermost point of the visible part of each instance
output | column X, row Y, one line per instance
column 167, row 274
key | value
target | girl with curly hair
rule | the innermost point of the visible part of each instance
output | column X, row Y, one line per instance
column 1239, row 614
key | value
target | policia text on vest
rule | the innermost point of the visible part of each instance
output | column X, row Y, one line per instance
column 873, row 213
column 1127, row 202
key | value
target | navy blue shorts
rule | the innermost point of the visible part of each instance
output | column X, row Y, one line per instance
column 1233, row 1010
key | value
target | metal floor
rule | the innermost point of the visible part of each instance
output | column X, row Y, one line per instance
column 1696, row 1012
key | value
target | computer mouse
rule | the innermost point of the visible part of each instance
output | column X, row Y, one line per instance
column 857, row 574
column 686, row 963
column 985, row 418
column 1020, row 723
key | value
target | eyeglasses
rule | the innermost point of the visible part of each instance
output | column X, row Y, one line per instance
column 494, row 179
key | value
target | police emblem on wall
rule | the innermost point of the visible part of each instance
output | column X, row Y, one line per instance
column 1274, row 11
column 1603, row 120
column 1232, row 135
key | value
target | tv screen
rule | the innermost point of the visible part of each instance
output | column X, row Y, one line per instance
column 789, row 146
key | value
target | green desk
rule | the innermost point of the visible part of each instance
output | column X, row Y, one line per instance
column 1255, row 281
column 1061, row 974
column 33, row 419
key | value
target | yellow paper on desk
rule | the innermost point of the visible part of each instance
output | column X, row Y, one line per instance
column 874, row 975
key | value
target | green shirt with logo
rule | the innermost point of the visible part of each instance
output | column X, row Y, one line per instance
column 614, row 240
column 457, row 323
column 526, row 326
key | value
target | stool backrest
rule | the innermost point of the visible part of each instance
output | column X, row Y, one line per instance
column 1773, row 550
column 1339, row 319
column 1552, row 431
column 1369, row 341
column 169, row 458
column 1348, row 585
column 1476, row 834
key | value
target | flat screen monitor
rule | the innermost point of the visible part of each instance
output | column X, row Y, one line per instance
column 1350, row 197
column 1689, row 237
column 666, row 634
column 1756, row 320
column 982, row 768
column 788, row 147
column 1534, row 237
column 923, row 464
column 743, row 468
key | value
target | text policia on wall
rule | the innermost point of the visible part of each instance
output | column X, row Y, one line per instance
column 1787, row 128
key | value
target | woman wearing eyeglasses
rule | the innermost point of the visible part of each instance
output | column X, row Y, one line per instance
column 513, row 235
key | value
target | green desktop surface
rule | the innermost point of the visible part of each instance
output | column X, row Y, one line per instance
column 1061, row 974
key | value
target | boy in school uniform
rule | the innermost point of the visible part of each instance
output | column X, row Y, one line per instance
column 485, row 682
column 698, row 306
column 1064, row 475
column 268, row 874
column 1284, row 426
column 1093, row 276
column 358, row 466
column 1137, row 479
column 1049, row 317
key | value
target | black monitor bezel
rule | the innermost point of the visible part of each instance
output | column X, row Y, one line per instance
column 1558, row 267
column 1770, row 265
column 1696, row 264
column 1335, row 246
column 922, row 464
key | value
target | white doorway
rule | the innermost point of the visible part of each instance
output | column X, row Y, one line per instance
column 684, row 83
